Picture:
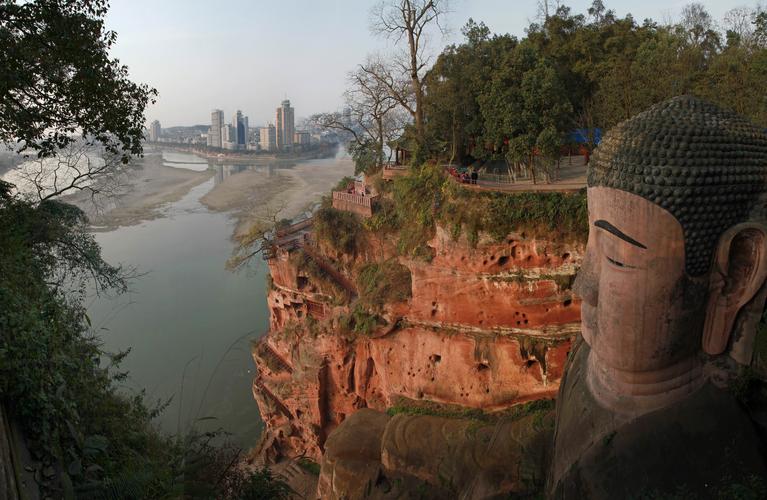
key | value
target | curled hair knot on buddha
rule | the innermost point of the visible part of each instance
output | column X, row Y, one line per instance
column 704, row 165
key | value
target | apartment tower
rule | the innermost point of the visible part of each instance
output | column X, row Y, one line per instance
column 154, row 131
column 285, row 126
column 216, row 126
column 268, row 139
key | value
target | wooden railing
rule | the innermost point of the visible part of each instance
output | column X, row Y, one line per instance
column 298, row 226
column 391, row 171
column 316, row 309
column 358, row 199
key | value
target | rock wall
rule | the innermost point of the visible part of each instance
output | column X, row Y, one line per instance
column 486, row 328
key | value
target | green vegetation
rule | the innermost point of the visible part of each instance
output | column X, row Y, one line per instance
column 328, row 284
column 309, row 465
column 343, row 184
column 538, row 408
column 339, row 229
column 427, row 197
column 359, row 321
column 382, row 283
column 499, row 97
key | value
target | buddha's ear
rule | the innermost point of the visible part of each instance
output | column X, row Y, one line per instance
column 740, row 268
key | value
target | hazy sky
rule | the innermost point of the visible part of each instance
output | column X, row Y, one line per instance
column 251, row 54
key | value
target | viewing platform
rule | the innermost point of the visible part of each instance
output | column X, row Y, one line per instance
column 288, row 238
column 391, row 171
column 361, row 205
column 569, row 177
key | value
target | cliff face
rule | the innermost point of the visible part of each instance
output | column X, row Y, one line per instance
column 485, row 328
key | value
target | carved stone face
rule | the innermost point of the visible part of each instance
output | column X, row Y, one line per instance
column 641, row 314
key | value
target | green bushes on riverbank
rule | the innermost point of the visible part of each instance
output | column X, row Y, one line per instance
column 55, row 380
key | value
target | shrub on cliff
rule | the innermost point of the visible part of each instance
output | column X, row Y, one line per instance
column 339, row 229
column 419, row 197
column 384, row 282
column 426, row 197
column 359, row 321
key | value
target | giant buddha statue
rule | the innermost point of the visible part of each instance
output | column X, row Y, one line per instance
column 672, row 288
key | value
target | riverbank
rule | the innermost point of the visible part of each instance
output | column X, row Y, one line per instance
column 255, row 196
column 249, row 157
column 147, row 188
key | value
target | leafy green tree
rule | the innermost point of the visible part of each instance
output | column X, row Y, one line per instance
column 526, row 111
column 58, row 80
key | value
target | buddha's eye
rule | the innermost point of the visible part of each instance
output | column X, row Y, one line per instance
column 615, row 262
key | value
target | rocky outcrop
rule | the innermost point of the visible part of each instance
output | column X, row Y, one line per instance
column 376, row 456
column 486, row 327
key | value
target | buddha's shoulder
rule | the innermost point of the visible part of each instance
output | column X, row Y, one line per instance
column 702, row 444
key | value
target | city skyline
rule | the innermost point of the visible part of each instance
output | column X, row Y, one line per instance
column 324, row 42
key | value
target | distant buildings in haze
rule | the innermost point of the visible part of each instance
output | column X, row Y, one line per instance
column 216, row 128
column 155, row 130
column 268, row 138
column 285, row 126
column 302, row 138
column 238, row 135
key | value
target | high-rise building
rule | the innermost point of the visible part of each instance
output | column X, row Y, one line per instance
column 215, row 132
column 154, row 131
column 229, row 137
column 240, row 124
column 302, row 138
column 268, row 139
column 285, row 126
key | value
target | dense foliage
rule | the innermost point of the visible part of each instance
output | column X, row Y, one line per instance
column 496, row 96
column 426, row 197
column 382, row 283
column 58, row 79
column 63, row 388
column 341, row 230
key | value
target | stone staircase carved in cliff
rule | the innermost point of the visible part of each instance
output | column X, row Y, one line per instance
column 330, row 270
column 272, row 359
column 265, row 391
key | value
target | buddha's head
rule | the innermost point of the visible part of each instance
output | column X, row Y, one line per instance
column 675, row 252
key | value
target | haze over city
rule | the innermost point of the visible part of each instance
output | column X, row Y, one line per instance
column 250, row 55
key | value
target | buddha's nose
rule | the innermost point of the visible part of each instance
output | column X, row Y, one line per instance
column 586, row 284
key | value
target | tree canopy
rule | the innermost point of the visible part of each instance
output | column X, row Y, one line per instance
column 496, row 96
column 59, row 81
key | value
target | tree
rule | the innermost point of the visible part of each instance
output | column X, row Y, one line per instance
column 59, row 83
column 410, row 20
column 699, row 26
column 371, row 117
column 79, row 166
column 525, row 111
column 597, row 11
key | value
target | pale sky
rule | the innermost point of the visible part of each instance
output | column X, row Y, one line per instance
column 251, row 54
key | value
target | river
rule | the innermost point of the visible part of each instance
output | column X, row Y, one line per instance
column 188, row 321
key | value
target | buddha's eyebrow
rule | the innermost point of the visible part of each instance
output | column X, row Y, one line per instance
column 603, row 224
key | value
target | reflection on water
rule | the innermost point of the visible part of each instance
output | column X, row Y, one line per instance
column 188, row 321
column 187, row 161
column 223, row 172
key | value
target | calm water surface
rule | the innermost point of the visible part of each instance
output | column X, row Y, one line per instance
column 188, row 321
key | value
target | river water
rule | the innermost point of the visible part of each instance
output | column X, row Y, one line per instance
column 187, row 320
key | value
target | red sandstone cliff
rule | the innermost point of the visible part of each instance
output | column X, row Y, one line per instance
column 486, row 327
